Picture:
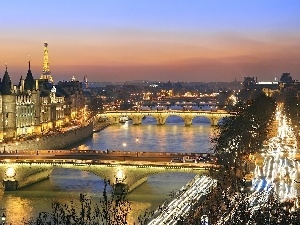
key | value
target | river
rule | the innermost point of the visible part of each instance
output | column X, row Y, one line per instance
column 65, row 185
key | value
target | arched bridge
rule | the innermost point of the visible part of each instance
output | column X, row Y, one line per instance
column 162, row 115
column 128, row 169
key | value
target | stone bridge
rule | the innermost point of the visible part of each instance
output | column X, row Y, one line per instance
column 125, row 169
column 16, row 175
column 162, row 115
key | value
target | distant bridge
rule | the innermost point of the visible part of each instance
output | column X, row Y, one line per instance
column 162, row 115
column 130, row 169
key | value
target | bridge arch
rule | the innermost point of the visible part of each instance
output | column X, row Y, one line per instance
column 175, row 118
column 151, row 119
column 212, row 120
column 200, row 119
column 133, row 175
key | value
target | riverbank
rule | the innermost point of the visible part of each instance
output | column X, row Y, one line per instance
column 56, row 140
column 100, row 126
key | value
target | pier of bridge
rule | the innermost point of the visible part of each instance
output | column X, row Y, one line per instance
column 125, row 169
column 161, row 116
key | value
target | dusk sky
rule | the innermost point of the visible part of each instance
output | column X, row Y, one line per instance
column 124, row 40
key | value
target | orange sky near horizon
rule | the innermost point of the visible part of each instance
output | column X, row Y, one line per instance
column 216, row 58
column 150, row 40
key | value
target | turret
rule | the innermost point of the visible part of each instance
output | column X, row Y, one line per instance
column 8, row 108
column 21, row 84
column 6, row 83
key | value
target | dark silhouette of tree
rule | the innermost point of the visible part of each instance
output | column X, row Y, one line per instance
column 111, row 210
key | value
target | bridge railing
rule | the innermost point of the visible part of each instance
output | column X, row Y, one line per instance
column 98, row 152
column 219, row 111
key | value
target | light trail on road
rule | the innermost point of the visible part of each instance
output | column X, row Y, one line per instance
column 182, row 204
column 276, row 171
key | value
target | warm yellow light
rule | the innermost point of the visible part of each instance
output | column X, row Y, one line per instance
column 120, row 175
column 10, row 172
column 124, row 144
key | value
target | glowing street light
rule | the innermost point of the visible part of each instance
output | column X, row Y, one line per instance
column 10, row 172
column 120, row 176
column 124, row 144
column 3, row 218
column 137, row 140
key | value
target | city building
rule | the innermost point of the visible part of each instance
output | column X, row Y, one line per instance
column 37, row 106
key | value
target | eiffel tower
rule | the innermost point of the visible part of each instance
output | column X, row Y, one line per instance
column 46, row 75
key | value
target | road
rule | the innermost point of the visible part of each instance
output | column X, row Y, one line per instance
column 101, row 157
column 180, row 206
column 276, row 169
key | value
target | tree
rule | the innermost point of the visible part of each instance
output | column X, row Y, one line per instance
column 112, row 210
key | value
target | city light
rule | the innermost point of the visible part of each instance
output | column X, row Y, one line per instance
column 10, row 172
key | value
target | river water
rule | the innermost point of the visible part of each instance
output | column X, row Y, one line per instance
column 65, row 185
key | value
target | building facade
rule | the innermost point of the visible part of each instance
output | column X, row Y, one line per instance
column 37, row 106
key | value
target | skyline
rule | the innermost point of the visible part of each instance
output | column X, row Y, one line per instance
column 152, row 40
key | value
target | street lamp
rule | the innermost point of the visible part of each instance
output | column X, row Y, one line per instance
column 3, row 218
column 137, row 152
column 124, row 144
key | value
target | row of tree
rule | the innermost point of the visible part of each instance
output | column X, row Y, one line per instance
column 235, row 140
column 292, row 109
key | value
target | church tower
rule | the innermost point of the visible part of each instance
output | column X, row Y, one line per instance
column 46, row 75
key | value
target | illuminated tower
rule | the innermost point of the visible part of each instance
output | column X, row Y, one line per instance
column 46, row 71
column 85, row 82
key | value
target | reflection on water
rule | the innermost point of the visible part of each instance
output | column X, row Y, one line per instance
column 171, row 137
column 65, row 185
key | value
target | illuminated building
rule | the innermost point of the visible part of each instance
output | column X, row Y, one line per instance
column 36, row 106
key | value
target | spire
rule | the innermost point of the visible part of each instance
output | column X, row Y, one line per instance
column 6, row 83
column 46, row 70
column 29, row 81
